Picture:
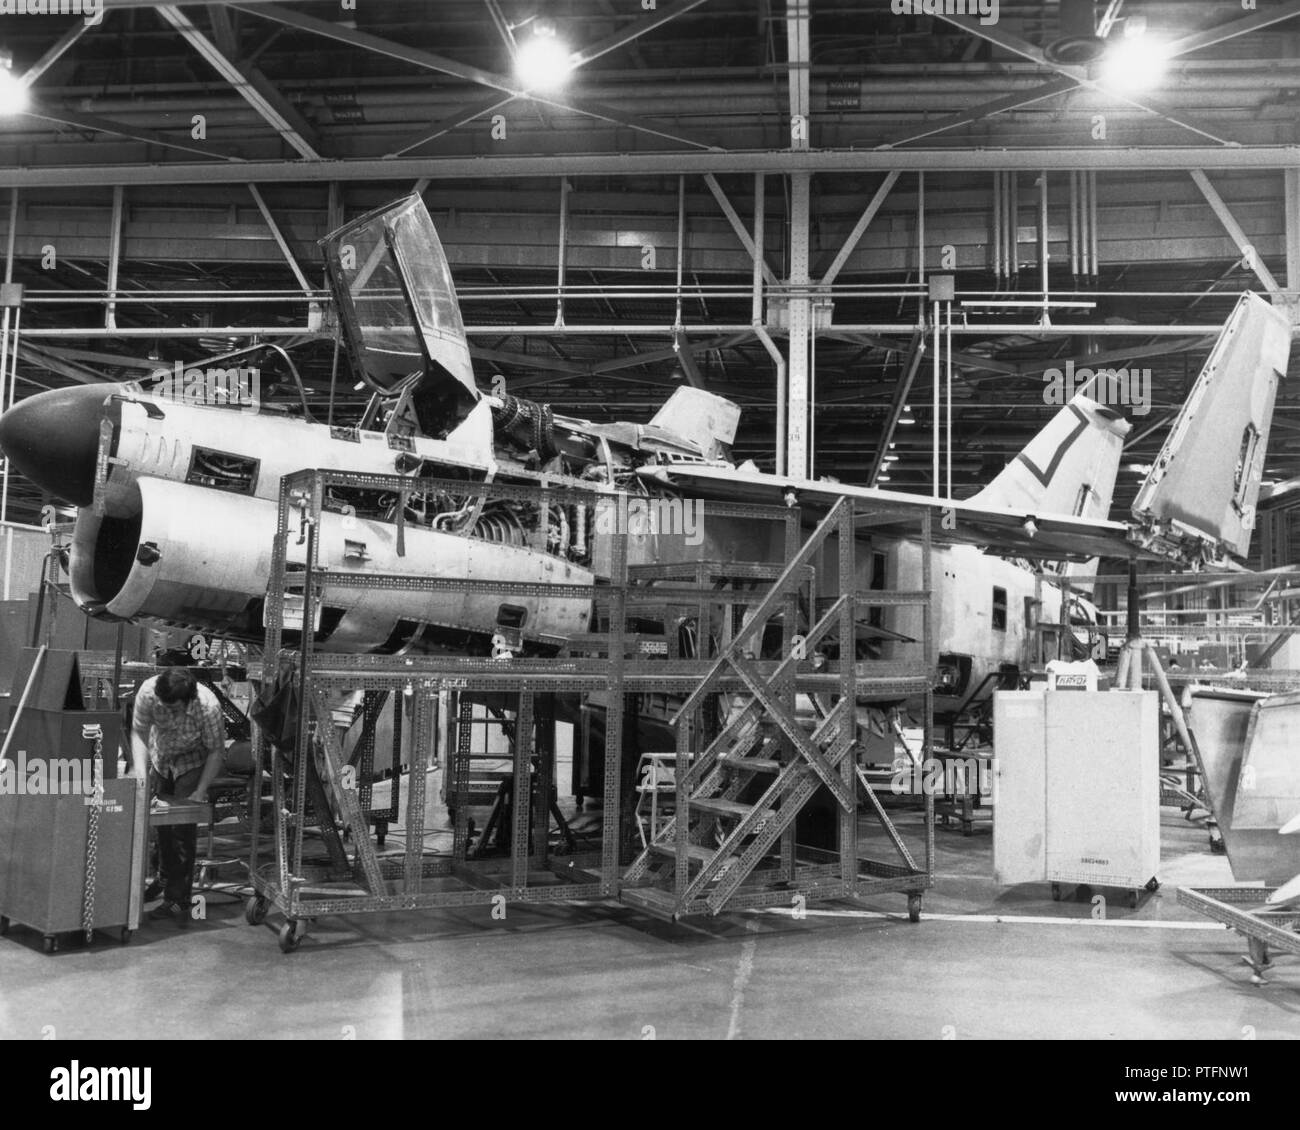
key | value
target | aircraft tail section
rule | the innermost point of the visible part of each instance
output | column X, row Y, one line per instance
column 1198, row 501
column 702, row 419
column 1067, row 468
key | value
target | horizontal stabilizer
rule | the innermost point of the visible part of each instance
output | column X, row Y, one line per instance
column 1199, row 498
column 1067, row 468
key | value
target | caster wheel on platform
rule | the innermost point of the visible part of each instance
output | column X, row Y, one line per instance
column 1056, row 892
column 255, row 910
column 914, row 908
column 49, row 944
column 125, row 934
column 291, row 936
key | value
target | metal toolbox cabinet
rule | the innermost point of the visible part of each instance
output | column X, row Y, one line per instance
column 44, row 864
column 1077, row 788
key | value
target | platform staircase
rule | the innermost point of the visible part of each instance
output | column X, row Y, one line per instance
column 744, row 790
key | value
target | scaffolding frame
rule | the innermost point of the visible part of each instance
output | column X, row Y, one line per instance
column 610, row 660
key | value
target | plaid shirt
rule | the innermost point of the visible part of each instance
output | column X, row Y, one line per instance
column 181, row 735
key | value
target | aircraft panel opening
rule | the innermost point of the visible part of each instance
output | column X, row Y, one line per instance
column 115, row 550
column 220, row 470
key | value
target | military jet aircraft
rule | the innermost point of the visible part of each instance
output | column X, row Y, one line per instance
column 176, row 484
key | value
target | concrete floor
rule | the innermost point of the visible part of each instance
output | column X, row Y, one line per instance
column 600, row 970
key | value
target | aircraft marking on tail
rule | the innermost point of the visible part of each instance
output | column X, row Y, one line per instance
column 1045, row 477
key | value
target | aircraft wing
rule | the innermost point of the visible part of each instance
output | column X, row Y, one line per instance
column 1004, row 531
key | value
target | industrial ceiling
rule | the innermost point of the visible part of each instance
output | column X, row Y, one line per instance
column 164, row 189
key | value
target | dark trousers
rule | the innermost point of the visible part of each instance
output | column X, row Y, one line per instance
column 177, row 844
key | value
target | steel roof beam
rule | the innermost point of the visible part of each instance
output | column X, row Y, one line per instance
column 249, row 83
column 1251, row 256
column 1072, row 79
column 427, row 60
column 1015, row 45
column 643, row 26
column 55, row 53
column 1145, row 158
column 77, row 174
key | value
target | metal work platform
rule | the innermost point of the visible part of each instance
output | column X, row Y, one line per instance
column 732, row 842
column 315, row 781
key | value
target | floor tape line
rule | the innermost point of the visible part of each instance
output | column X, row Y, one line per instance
column 1001, row 919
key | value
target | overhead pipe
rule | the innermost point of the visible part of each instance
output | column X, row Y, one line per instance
column 1092, row 225
column 1083, row 228
column 997, row 228
column 1042, row 240
column 563, row 251
column 920, row 237
column 1014, row 231
column 935, row 406
column 760, row 330
column 1074, row 227
column 681, row 244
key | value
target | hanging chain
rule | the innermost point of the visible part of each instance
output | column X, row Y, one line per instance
column 93, row 733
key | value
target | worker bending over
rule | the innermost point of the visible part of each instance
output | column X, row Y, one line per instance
column 177, row 731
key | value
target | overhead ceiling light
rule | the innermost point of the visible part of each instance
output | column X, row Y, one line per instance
column 1134, row 63
column 543, row 62
column 907, row 418
column 13, row 91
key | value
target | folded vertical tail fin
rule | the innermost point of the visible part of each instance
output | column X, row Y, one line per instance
column 1198, row 501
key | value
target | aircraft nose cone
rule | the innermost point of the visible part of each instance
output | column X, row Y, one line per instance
column 53, row 439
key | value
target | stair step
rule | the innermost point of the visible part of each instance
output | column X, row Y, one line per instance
column 725, row 807
column 753, row 764
column 697, row 852
column 661, row 904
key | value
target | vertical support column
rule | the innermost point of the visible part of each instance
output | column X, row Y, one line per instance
column 800, row 305
column 459, row 769
column 932, row 659
column 681, row 810
column 848, row 694
column 612, row 827
column 544, row 750
column 415, row 792
column 11, row 300
column 789, row 689
column 270, row 671
column 521, row 796
column 303, row 764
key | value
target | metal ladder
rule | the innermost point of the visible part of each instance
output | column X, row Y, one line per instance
column 702, row 855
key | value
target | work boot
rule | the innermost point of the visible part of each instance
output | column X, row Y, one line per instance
column 173, row 910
